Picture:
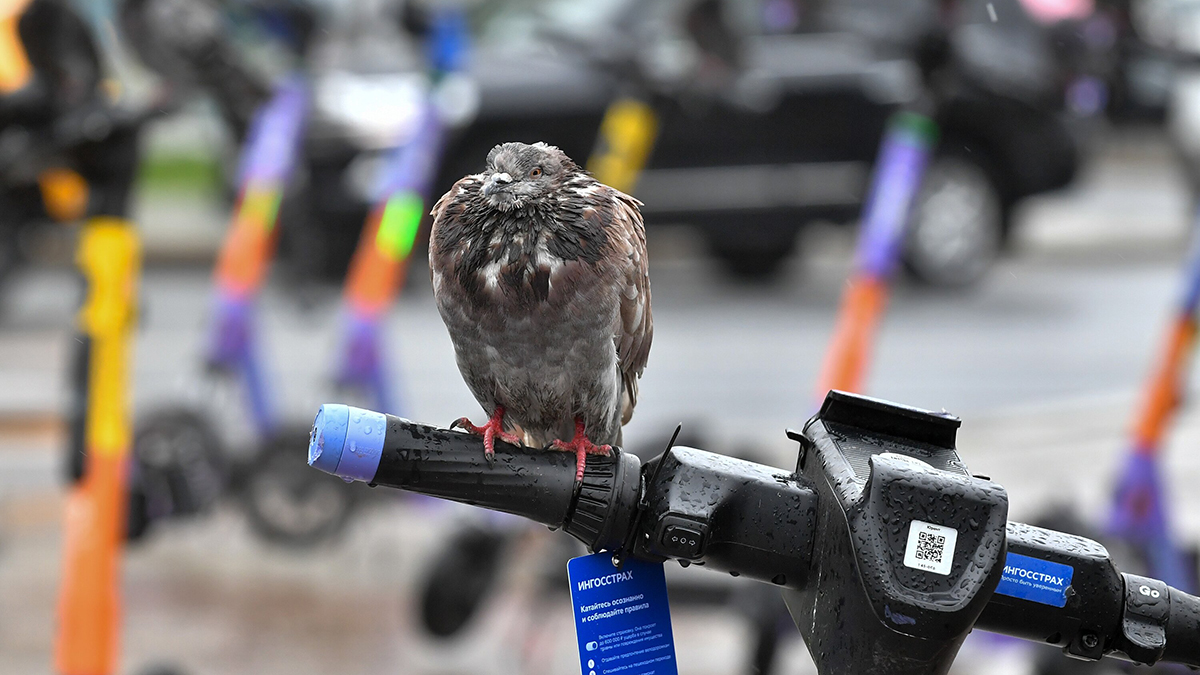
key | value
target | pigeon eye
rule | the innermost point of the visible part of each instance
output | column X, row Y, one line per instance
column 535, row 172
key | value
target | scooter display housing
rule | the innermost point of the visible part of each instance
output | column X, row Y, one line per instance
column 908, row 542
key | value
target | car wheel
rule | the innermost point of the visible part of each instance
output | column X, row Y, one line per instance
column 957, row 224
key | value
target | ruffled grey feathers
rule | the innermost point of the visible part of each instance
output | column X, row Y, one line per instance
column 540, row 274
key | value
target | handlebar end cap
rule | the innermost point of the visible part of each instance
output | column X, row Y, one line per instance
column 328, row 437
column 347, row 441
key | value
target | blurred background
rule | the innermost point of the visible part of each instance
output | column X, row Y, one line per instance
column 275, row 156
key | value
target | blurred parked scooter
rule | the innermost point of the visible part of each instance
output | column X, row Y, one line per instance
column 63, row 126
column 362, row 104
column 183, row 465
column 377, row 273
column 1140, row 521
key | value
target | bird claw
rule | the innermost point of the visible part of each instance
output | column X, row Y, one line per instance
column 582, row 447
column 490, row 431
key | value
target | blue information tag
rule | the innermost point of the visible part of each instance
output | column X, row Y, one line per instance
column 622, row 620
column 1035, row 580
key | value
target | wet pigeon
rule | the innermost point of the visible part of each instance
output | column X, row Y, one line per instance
column 539, row 272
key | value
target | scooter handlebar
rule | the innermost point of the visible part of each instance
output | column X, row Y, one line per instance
column 356, row 444
column 751, row 520
column 728, row 514
column 1183, row 630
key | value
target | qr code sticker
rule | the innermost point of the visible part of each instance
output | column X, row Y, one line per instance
column 930, row 547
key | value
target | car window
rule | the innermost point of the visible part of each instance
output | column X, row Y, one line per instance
column 517, row 22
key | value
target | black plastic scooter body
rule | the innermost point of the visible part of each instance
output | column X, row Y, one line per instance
column 891, row 470
column 728, row 514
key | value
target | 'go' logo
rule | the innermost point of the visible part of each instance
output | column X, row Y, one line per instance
column 1149, row 592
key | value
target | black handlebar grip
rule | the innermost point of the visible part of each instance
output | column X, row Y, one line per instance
column 1183, row 630
column 1103, row 612
column 1159, row 623
column 356, row 444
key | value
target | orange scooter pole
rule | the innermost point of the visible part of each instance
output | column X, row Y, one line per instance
column 1140, row 511
column 1163, row 390
column 88, row 637
column 853, row 341
column 269, row 157
column 902, row 159
column 377, row 272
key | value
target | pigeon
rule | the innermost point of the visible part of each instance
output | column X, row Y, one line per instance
column 540, row 275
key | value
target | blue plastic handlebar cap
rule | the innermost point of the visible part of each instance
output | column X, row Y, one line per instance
column 347, row 442
column 328, row 437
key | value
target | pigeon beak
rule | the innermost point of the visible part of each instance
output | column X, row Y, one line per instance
column 495, row 183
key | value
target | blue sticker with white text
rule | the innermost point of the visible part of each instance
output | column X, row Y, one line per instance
column 1035, row 580
column 622, row 619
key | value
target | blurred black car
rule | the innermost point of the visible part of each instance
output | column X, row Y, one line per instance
column 770, row 113
column 772, row 118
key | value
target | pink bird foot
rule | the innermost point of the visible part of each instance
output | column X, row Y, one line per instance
column 491, row 430
column 582, row 447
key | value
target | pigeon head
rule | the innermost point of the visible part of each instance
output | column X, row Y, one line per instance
column 518, row 175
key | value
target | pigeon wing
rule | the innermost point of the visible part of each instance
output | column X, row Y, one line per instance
column 636, row 328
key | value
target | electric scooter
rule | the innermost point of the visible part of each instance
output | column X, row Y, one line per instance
column 79, row 140
column 184, row 464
